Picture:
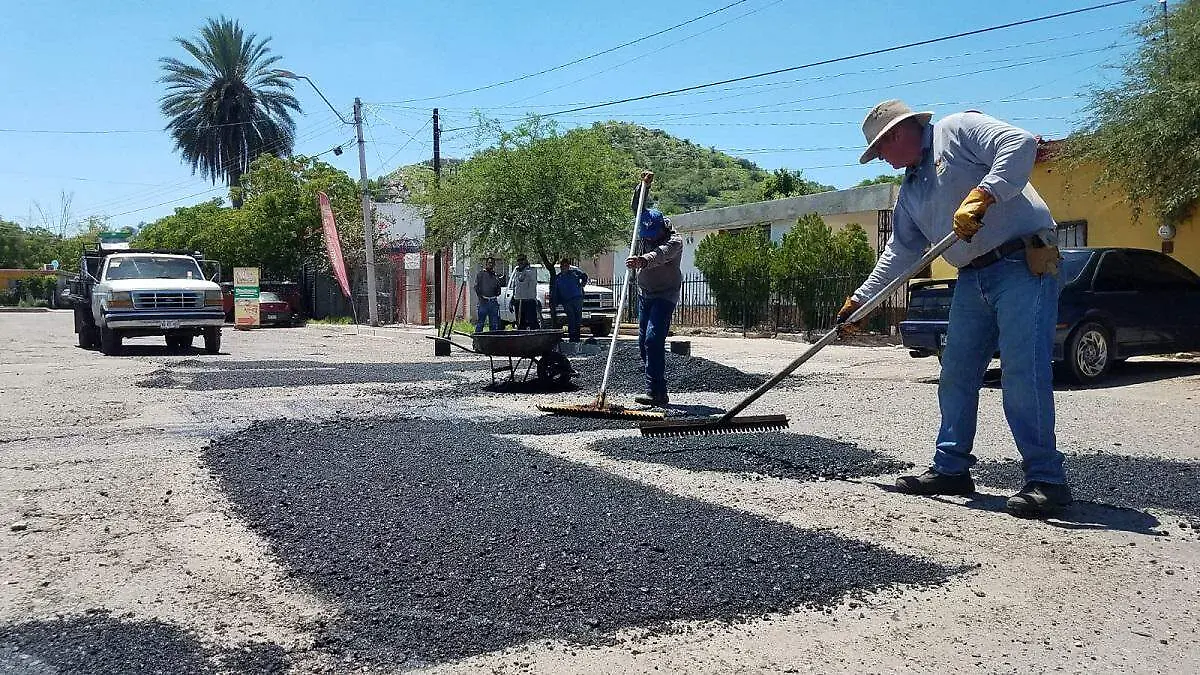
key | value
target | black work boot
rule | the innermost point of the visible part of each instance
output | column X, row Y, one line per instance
column 934, row 483
column 650, row 399
column 1038, row 500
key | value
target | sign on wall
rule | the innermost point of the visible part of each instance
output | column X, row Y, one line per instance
column 245, row 297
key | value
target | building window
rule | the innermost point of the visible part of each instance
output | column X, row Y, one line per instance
column 1072, row 233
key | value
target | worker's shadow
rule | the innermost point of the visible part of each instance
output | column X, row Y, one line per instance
column 1081, row 515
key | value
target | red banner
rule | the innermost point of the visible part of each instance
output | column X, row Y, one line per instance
column 333, row 244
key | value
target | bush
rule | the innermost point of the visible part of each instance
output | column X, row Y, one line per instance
column 809, row 272
column 736, row 266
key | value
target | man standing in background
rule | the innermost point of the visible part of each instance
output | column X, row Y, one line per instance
column 525, row 294
column 487, row 292
column 568, row 292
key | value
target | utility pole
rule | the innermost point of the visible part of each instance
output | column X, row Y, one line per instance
column 1163, row 4
column 437, row 255
column 368, row 222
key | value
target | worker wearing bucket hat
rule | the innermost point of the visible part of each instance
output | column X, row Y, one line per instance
column 969, row 173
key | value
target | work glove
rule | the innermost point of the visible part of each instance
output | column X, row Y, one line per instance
column 843, row 328
column 636, row 262
column 969, row 216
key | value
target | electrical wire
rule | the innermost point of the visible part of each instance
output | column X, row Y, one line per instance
column 849, row 57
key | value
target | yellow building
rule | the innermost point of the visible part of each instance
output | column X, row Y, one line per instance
column 1092, row 216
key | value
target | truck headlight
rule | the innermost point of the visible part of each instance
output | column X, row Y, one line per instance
column 120, row 300
column 213, row 299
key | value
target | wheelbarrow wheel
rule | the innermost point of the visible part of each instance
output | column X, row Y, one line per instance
column 555, row 368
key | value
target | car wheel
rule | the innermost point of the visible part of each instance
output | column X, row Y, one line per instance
column 1089, row 353
column 110, row 341
column 212, row 340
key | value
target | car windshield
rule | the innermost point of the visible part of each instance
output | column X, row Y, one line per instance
column 1072, row 264
column 152, row 267
column 269, row 297
column 543, row 275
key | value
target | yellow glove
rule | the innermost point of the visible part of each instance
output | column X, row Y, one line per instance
column 844, row 313
column 969, row 216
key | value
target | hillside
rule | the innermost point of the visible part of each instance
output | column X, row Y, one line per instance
column 690, row 177
column 687, row 176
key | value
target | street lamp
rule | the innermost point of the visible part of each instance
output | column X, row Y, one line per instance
column 368, row 226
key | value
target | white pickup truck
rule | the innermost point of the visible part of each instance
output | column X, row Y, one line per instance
column 598, row 304
column 122, row 293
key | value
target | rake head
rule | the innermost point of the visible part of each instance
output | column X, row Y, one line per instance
column 599, row 410
column 715, row 425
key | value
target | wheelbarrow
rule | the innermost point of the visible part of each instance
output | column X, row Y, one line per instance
column 531, row 348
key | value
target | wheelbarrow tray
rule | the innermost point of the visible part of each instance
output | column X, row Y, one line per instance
column 525, row 344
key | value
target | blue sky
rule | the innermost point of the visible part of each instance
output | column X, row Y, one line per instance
column 78, row 65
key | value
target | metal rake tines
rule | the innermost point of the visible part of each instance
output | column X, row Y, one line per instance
column 593, row 410
column 708, row 427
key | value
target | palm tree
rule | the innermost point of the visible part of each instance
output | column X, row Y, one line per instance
column 229, row 107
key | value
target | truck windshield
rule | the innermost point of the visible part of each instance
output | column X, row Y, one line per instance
column 152, row 267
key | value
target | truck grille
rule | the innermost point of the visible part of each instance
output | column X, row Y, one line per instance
column 595, row 301
column 167, row 300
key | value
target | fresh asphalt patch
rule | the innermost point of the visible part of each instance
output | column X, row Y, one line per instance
column 197, row 375
column 438, row 540
column 777, row 454
column 98, row 642
column 1123, row 481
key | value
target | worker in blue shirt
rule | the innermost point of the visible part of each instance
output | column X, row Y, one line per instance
column 568, row 292
column 969, row 173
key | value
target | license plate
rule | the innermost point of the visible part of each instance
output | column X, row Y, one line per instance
column 942, row 340
column 169, row 323
column 272, row 317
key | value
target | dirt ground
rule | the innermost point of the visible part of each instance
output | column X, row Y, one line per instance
column 125, row 550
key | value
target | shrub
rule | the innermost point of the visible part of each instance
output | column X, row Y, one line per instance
column 736, row 266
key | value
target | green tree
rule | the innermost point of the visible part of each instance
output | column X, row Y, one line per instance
column 1143, row 132
column 813, row 266
column 736, row 266
column 882, row 179
column 278, row 227
column 231, row 105
column 14, row 246
column 784, row 183
column 537, row 192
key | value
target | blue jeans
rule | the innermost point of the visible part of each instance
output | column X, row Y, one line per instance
column 490, row 310
column 1004, row 306
column 654, row 321
column 573, row 308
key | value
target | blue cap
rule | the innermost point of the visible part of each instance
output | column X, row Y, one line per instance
column 652, row 224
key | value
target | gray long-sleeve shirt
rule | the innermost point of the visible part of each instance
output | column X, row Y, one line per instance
column 661, row 277
column 962, row 151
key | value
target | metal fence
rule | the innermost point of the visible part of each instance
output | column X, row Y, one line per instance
column 761, row 305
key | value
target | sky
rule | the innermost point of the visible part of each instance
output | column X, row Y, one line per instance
column 92, row 66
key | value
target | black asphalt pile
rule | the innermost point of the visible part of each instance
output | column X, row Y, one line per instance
column 684, row 373
column 439, row 540
column 98, row 642
column 460, row 378
column 1117, row 480
column 781, row 455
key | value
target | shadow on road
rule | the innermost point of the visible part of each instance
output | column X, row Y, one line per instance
column 439, row 540
column 98, row 642
column 1121, row 374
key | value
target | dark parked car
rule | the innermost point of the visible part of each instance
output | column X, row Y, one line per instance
column 1115, row 303
column 273, row 310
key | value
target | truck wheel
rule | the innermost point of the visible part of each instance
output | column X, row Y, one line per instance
column 601, row 328
column 179, row 342
column 110, row 341
column 88, row 337
column 212, row 340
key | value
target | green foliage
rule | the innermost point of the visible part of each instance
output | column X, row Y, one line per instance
column 537, row 192
column 1144, row 131
column 882, row 179
column 231, row 105
column 34, row 290
column 278, row 227
column 736, row 266
column 688, row 177
column 31, row 248
column 784, row 183
column 806, row 269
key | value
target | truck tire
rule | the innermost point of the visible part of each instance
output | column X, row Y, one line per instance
column 110, row 341
column 179, row 342
column 212, row 340
column 601, row 328
column 85, row 330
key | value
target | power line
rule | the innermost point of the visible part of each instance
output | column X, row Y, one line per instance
column 579, row 60
column 839, row 59
column 645, row 54
column 114, row 131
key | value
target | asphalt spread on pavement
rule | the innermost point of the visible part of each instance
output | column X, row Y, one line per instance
column 439, row 540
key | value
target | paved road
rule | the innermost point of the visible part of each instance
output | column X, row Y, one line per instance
column 314, row 499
